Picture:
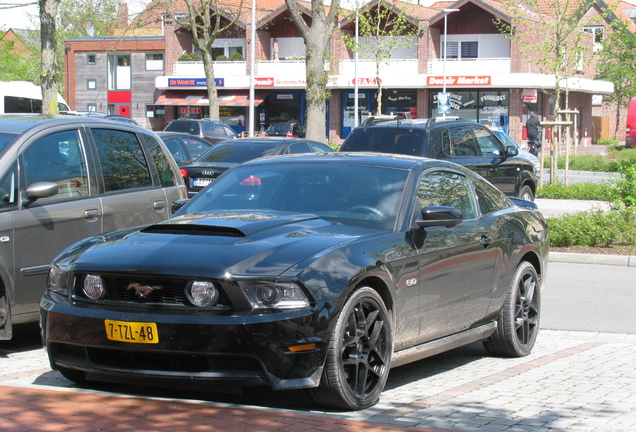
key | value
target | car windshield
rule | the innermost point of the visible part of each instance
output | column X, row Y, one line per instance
column 183, row 126
column 350, row 195
column 238, row 152
column 278, row 128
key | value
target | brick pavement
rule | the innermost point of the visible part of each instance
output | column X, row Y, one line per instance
column 572, row 381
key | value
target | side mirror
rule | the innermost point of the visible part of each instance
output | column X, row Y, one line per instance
column 177, row 204
column 440, row 216
column 39, row 190
column 512, row 151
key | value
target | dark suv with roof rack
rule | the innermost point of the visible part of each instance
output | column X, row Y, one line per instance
column 464, row 142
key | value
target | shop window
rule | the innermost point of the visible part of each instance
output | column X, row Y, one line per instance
column 155, row 111
column 154, row 62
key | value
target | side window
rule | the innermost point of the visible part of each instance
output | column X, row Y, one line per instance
column 166, row 175
column 9, row 188
column 489, row 144
column 443, row 188
column 196, row 147
column 490, row 198
column 58, row 158
column 122, row 160
column 463, row 142
column 298, row 148
column 229, row 131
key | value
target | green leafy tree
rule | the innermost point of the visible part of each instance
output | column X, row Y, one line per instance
column 616, row 63
column 316, row 36
column 207, row 19
column 17, row 66
column 381, row 30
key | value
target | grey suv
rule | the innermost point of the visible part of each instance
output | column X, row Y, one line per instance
column 211, row 130
column 464, row 142
column 64, row 178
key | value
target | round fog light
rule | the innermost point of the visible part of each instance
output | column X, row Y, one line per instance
column 93, row 287
column 202, row 293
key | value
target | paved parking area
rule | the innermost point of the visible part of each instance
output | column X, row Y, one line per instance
column 572, row 381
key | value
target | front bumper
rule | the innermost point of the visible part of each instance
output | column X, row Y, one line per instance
column 195, row 348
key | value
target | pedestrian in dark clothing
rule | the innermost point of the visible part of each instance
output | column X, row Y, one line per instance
column 533, row 129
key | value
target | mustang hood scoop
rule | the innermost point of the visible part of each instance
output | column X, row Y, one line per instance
column 226, row 224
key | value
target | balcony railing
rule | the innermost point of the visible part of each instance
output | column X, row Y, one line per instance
column 478, row 66
column 367, row 67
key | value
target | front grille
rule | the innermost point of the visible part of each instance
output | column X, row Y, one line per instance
column 161, row 291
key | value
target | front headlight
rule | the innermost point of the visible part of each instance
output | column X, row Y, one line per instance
column 57, row 281
column 274, row 295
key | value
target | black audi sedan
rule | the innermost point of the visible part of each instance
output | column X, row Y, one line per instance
column 215, row 161
column 316, row 271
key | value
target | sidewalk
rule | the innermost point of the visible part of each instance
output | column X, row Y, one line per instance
column 572, row 381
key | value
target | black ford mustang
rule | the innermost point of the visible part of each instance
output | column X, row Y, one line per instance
column 308, row 271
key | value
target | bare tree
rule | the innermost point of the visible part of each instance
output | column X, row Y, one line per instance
column 382, row 30
column 316, row 36
column 207, row 20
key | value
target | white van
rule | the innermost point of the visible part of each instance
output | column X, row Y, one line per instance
column 20, row 97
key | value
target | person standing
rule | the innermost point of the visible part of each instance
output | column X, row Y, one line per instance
column 533, row 129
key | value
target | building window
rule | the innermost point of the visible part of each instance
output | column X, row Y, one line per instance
column 598, row 35
column 227, row 47
column 154, row 62
column 461, row 50
column 119, row 72
column 155, row 111
column 91, row 59
column 470, row 50
column 91, row 84
column 91, row 107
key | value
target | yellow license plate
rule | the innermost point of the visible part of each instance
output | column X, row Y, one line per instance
column 134, row 332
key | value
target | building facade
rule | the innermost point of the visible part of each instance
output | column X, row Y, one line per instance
column 485, row 74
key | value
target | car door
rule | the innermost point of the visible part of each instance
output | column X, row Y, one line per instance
column 456, row 265
column 502, row 171
column 131, row 197
column 44, row 227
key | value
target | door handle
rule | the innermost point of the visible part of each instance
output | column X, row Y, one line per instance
column 159, row 205
column 485, row 241
column 91, row 214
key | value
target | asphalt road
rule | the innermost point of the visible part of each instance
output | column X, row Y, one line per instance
column 589, row 298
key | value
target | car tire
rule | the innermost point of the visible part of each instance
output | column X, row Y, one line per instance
column 518, row 323
column 526, row 193
column 358, row 354
column 74, row 375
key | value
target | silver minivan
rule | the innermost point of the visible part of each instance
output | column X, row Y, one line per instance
column 64, row 178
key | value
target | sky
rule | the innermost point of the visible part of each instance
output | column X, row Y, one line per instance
column 27, row 17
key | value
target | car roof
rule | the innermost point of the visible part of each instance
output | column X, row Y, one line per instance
column 419, row 123
column 19, row 123
column 359, row 158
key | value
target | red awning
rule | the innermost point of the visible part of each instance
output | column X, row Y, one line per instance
column 201, row 98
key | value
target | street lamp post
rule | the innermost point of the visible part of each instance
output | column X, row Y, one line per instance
column 446, row 12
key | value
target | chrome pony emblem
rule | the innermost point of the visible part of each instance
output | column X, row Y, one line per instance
column 142, row 291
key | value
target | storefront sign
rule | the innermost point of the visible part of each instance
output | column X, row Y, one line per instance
column 187, row 110
column 469, row 80
column 194, row 82
column 529, row 95
column 263, row 82
column 365, row 81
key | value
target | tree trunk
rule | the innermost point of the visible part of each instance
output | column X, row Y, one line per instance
column 317, row 93
column 48, row 15
column 213, row 94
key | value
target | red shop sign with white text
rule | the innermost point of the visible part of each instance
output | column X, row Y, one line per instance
column 189, row 110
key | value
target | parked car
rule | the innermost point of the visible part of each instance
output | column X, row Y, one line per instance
column 318, row 271
column 464, row 142
column 225, row 155
column 184, row 147
column 212, row 130
column 63, row 178
column 289, row 130
column 508, row 141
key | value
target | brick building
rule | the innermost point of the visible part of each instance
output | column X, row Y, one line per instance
column 137, row 72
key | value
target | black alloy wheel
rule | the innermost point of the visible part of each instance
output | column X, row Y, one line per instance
column 359, row 354
column 518, row 324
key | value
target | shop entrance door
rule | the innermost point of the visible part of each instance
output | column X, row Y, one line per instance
column 348, row 108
